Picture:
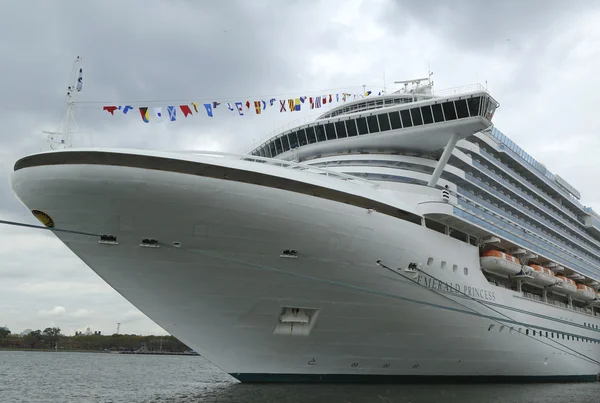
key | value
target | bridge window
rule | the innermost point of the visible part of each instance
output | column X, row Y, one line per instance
column 384, row 123
column 427, row 116
column 362, row 126
column 373, row 126
column 395, row 120
column 330, row 131
column 438, row 115
column 278, row 146
column 461, row 108
column 310, row 135
column 285, row 143
column 449, row 111
column 406, row 121
column 416, row 116
column 302, row 137
column 473, row 104
column 340, row 128
column 320, row 133
column 351, row 126
column 293, row 137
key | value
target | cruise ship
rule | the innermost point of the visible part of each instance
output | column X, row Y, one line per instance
column 396, row 238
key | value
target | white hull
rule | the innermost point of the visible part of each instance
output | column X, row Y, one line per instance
column 222, row 291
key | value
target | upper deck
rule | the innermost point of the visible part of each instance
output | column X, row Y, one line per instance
column 416, row 121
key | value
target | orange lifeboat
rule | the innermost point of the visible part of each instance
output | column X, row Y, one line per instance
column 541, row 276
column 567, row 286
column 500, row 263
column 585, row 293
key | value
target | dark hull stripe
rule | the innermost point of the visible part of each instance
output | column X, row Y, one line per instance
column 408, row 379
column 210, row 171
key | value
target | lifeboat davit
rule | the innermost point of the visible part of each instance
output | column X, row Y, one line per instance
column 541, row 276
column 500, row 263
column 566, row 285
column 585, row 293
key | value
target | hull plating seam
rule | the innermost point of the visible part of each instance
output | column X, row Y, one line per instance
column 210, row 171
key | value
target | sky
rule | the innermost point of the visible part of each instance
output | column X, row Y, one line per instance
column 538, row 59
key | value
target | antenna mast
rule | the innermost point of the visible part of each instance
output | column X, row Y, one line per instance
column 62, row 138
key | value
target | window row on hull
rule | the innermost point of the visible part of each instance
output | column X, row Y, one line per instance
column 377, row 123
column 367, row 105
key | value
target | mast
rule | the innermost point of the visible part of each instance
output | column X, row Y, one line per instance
column 62, row 137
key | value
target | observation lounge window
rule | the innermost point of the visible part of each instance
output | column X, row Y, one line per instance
column 449, row 111
column 406, row 121
column 302, row 137
column 427, row 115
column 395, row 120
column 340, row 128
column 362, row 126
column 320, row 133
column 330, row 131
column 416, row 116
column 438, row 115
column 373, row 125
column 293, row 137
column 285, row 143
column 310, row 135
column 272, row 149
column 278, row 146
column 384, row 123
column 461, row 108
column 351, row 126
column 473, row 104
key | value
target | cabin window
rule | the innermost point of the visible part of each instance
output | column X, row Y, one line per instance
column 340, row 128
column 302, row 137
column 461, row 108
column 427, row 115
column 438, row 115
column 285, row 143
column 293, row 137
column 351, row 126
column 330, row 131
column 361, row 123
column 373, row 125
column 466, row 271
column 473, row 104
column 272, row 148
column 449, row 111
column 436, row 226
column 395, row 120
column 384, row 123
column 416, row 116
column 406, row 121
column 443, row 265
column 310, row 135
column 429, row 261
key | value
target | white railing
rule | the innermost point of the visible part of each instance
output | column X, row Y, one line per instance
column 282, row 164
column 446, row 92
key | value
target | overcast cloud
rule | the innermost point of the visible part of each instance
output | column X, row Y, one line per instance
column 539, row 60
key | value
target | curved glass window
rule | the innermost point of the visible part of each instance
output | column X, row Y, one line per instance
column 302, row 137
column 340, row 128
column 384, row 123
column 373, row 125
column 361, row 123
column 330, row 131
column 416, row 116
column 293, row 139
column 278, row 148
column 427, row 115
column 438, row 115
column 406, row 120
column 351, row 126
column 319, row 130
column 449, row 111
column 285, row 143
column 395, row 120
column 310, row 135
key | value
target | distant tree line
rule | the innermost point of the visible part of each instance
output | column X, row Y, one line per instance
column 51, row 338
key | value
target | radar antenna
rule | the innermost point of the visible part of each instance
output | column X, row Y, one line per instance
column 62, row 137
